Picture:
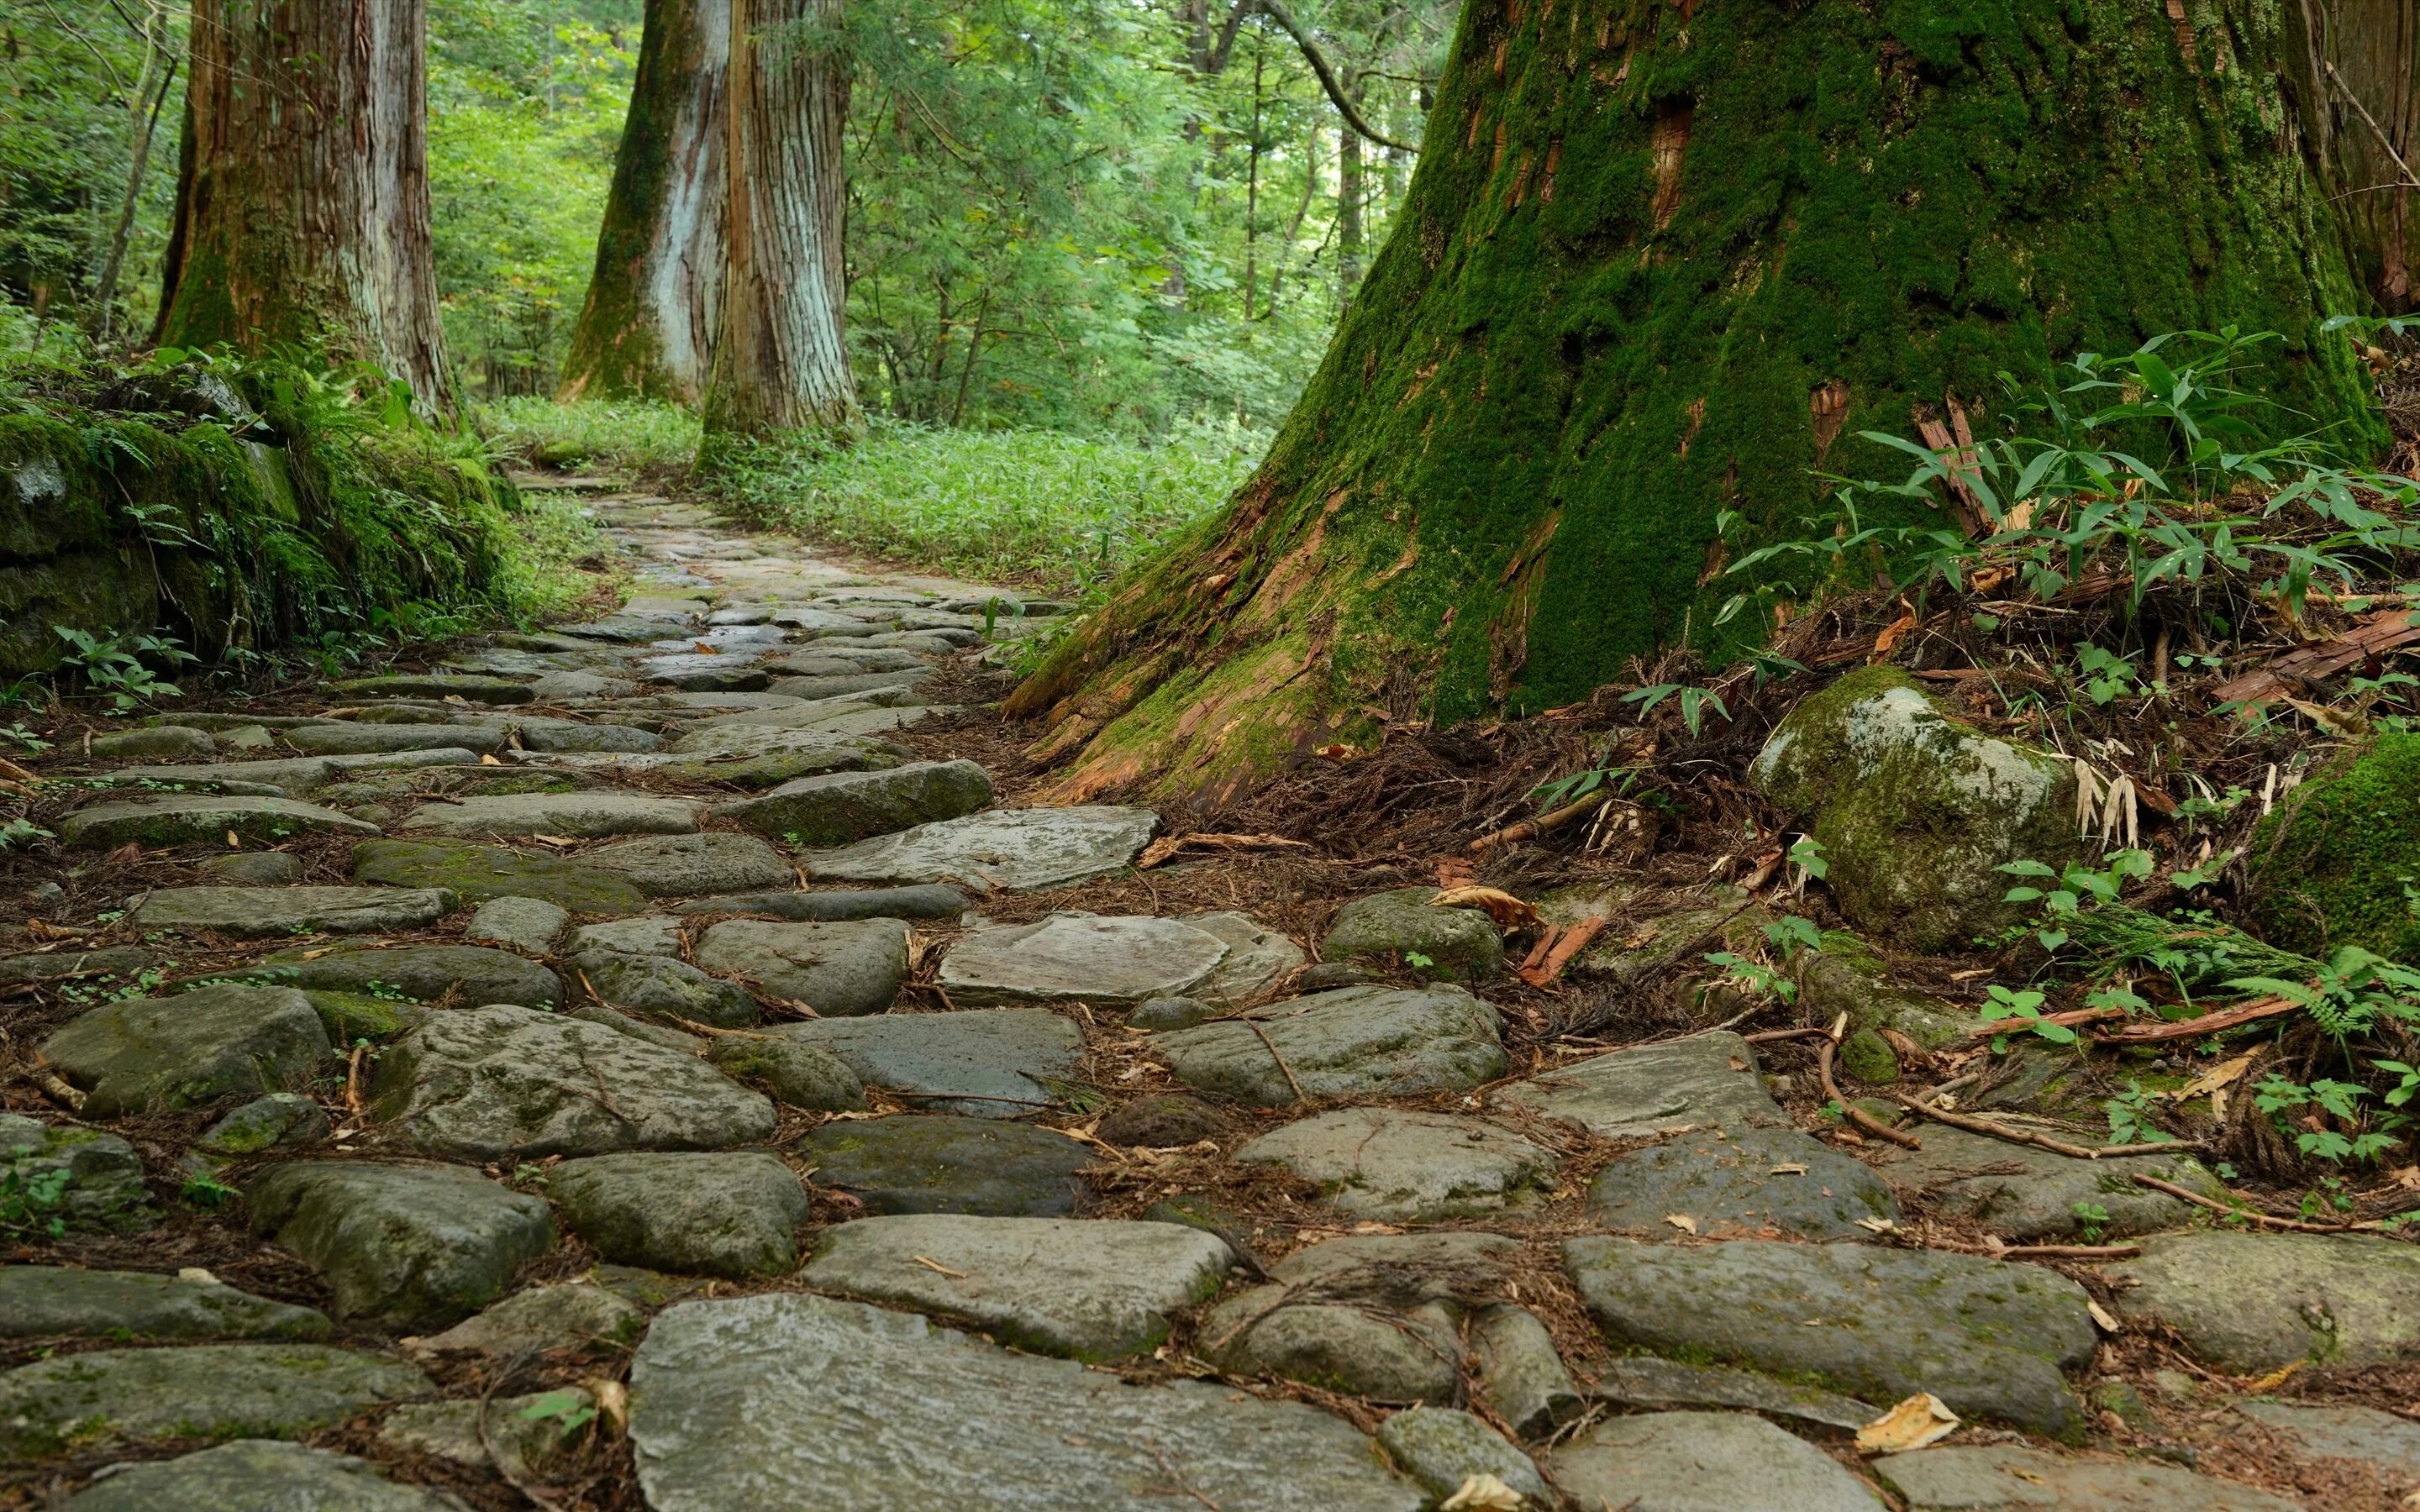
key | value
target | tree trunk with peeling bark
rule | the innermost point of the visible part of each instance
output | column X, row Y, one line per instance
column 648, row 327
column 1661, row 261
column 781, row 364
column 2361, row 78
column 303, row 200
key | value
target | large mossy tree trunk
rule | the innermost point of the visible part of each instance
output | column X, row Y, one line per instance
column 1658, row 261
column 302, row 202
column 780, row 365
column 648, row 327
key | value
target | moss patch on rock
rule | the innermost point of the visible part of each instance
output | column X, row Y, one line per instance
column 2337, row 863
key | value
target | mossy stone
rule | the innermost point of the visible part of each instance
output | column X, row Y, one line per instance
column 2332, row 866
column 351, row 1016
column 1459, row 944
column 479, row 872
column 1868, row 1057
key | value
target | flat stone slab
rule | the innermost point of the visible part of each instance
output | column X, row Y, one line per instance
column 1983, row 1478
column 1704, row 1081
column 661, row 987
column 463, row 975
column 151, row 1053
column 1409, row 1167
column 465, row 686
column 576, row 1316
column 1771, row 1183
column 350, row 739
column 837, row 970
column 96, row 1177
column 200, row 1391
column 1108, row 962
column 788, row 1403
column 38, row 1299
column 2250, row 1303
column 985, row 1062
column 251, row 913
column 1355, row 1041
column 492, row 1083
column 836, row 808
column 1699, row 1461
column 1644, row 1381
column 1443, row 1449
column 160, row 743
column 254, row 869
column 1013, row 850
column 1087, row 1288
column 478, row 872
column 113, row 964
column 1377, row 1316
column 2387, row 1443
column 575, row 815
column 837, row 904
column 250, row 1475
column 531, row 925
column 409, row 1247
column 1988, row 1337
column 1258, row 957
column 163, row 819
column 940, row 1164
column 2029, row 1196
column 691, row 866
column 731, row 1215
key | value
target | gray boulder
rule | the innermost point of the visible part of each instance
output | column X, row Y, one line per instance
column 78, row 1180
column 460, row 975
column 911, row 1163
column 160, row 743
column 266, row 1123
column 507, row 1082
column 2250, row 1303
column 1013, row 850
column 40, row 1300
column 1356, row 1042
column 578, row 815
column 2031, row 1196
column 251, row 1475
column 796, row 1075
column 987, row 1063
column 1258, row 957
column 410, row 1247
column 163, row 819
column 1990, row 1479
column 197, row 1391
column 253, row 869
column 1403, row 1167
column 1644, row 1381
column 1769, row 1183
column 1696, row 1461
column 639, row 934
column 837, row 970
column 931, row 901
column 657, row 985
column 691, row 866
column 350, row 739
column 151, row 1053
column 250, row 913
column 530, row 925
column 1374, row 1316
column 478, row 872
column 575, row 1316
column 1107, row 962
column 1461, row 944
column 2388, row 1444
column 836, row 808
column 732, row 1214
column 1521, row 1377
column 1704, row 1081
column 1442, row 1449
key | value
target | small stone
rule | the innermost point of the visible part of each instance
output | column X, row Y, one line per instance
column 732, row 1214
column 837, row 807
column 248, row 1475
column 1169, row 1013
column 433, row 685
column 2389, row 1445
column 46, row 895
column 492, row 1083
column 1012, row 849
column 835, row 685
column 573, row 1316
column 254, row 869
column 531, row 925
column 526, row 1431
column 1705, row 1080
column 1442, row 1448
column 836, row 969
column 639, row 934
column 466, row 975
column 659, row 985
column 578, row 815
column 1385, row 1322
column 1326, row 976
column 1258, row 957
column 1087, row 1288
column 1409, row 1167
column 350, row 739
column 1357, row 1042
column 152, row 1054
column 1163, row 1121
column 253, row 913
column 1981, row 1478
column 161, row 742
column 267, row 1123
column 2250, row 1303
column 198, row 1391
column 1106, row 963
column 1772, row 1182
column 244, row 737
column 103, row 1187
column 404, row 1246
column 1461, row 944
column 796, row 1075
column 163, row 819
column 40, row 1300
column 689, row 866
column 1686, row 1461
column 1644, row 1381
column 922, row 1163
column 987, row 1063
column 1521, row 1377
column 1869, row 1057
column 478, row 872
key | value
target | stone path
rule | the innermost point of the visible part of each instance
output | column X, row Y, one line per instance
column 624, row 1003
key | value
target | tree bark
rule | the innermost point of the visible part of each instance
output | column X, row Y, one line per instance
column 648, row 327
column 302, row 208
column 2364, row 87
column 781, row 364
column 1642, row 254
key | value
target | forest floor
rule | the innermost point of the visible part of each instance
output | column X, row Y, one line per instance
column 1204, row 1101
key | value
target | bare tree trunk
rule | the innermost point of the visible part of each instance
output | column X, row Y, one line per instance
column 1349, row 191
column 303, row 210
column 2364, row 82
column 142, row 126
column 781, row 364
column 655, row 303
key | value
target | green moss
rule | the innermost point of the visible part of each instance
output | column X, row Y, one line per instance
column 2334, row 866
column 1854, row 954
column 351, row 1016
column 1869, row 1057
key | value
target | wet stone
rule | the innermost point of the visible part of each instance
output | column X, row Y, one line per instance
column 1773, row 1182
column 575, row 1317
column 531, row 925
column 837, row 807
column 39, row 1300
column 1704, row 1081
column 409, row 1247
column 1462, row 942
column 147, row 1055
column 479, row 872
column 102, row 1188
column 1356, row 1042
column 161, row 819
column 202, row 1391
column 1978, row 1478
column 1087, row 1288
column 248, row 1475
column 838, row 969
column 253, row 913
column 1696, row 1461
column 578, row 815
column 691, row 866
column 922, row 1163
column 492, row 1083
column 985, row 1063
column 763, row 1403
column 1010, row 849
column 1409, row 1167
column 1107, row 962
column 2250, row 1303
column 729, row 1215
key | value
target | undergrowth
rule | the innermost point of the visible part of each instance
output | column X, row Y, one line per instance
column 640, row 438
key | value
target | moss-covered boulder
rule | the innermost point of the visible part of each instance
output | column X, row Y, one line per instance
column 2339, row 860
column 1915, row 811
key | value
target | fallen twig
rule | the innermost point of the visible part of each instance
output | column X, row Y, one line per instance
column 1856, row 1114
column 1531, row 828
column 1997, row 1130
column 1255, row 1025
column 2251, row 1213
column 2266, row 1008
